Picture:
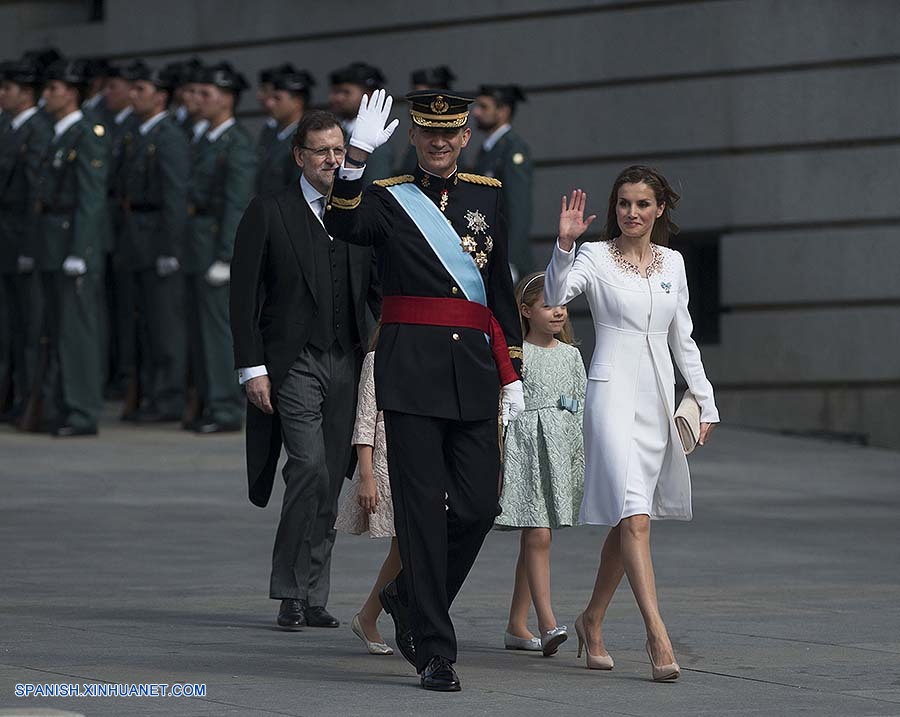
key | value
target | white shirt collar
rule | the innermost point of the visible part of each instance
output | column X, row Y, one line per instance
column 92, row 102
column 123, row 115
column 287, row 131
column 181, row 113
column 348, row 126
column 22, row 118
column 152, row 122
column 455, row 168
column 271, row 123
column 312, row 197
column 495, row 136
column 214, row 134
column 60, row 127
column 199, row 129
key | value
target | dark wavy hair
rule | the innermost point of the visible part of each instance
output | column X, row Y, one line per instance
column 663, row 227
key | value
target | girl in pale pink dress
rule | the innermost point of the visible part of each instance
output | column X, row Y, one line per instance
column 365, row 507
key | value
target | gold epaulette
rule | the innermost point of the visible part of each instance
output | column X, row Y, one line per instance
column 515, row 352
column 391, row 181
column 480, row 179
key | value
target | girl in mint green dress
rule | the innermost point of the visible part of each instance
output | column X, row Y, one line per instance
column 543, row 475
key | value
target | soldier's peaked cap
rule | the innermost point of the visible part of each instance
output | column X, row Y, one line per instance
column 359, row 73
column 437, row 108
column 436, row 77
column 267, row 74
column 23, row 72
column 504, row 94
column 72, row 72
column 299, row 81
column 223, row 76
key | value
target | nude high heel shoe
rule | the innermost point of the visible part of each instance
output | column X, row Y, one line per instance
column 374, row 648
column 592, row 662
column 663, row 673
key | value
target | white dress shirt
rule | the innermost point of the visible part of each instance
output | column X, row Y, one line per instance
column 59, row 129
column 152, row 122
column 22, row 118
column 495, row 137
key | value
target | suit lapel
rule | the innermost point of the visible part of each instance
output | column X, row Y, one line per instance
column 299, row 223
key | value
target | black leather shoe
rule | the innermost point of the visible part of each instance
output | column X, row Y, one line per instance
column 67, row 431
column 320, row 617
column 206, row 427
column 440, row 676
column 390, row 601
column 292, row 614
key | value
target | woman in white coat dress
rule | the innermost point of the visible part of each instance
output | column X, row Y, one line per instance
column 635, row 466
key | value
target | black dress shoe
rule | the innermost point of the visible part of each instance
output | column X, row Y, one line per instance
column 440, row 676
column 292, row 614
column 390, row 601
column 206, row 427
column 67, row 431
column 320, row 617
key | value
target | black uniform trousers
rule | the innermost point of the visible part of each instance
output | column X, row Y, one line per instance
column 444, row 483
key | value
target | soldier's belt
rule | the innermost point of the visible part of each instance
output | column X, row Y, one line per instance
column 458, row 313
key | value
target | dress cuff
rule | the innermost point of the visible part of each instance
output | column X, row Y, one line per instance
column 245, row 374
column 351, row 173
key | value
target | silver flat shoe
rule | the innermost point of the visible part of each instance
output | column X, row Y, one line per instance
column 552, row 639
column 511, row 642
column 374, row 648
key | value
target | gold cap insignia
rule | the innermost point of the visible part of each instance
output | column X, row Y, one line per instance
column 439, row 105
column 518, row 158
column 99, row 130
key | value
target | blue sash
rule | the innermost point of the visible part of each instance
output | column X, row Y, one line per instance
column 442, row 238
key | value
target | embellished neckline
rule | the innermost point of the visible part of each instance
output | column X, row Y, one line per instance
column 654, row 267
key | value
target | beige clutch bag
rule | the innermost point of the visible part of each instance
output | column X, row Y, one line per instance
column 687, row 422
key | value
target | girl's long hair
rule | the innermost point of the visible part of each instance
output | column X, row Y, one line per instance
column 528, row 291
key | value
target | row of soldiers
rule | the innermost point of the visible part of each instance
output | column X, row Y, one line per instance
column 121, row 188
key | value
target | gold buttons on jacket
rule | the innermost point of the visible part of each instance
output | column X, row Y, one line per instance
column 455, row 336
column 454, row 291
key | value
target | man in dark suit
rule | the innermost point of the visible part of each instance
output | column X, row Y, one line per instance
column 441, row 238
column 298, row 303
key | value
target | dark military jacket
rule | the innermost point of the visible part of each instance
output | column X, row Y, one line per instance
column 70, row 198
column 510, row 161
column 277, row 168
column 153, row 186
column 121, row 134
column 221, row 186
column 433, row 370
column 21, row 151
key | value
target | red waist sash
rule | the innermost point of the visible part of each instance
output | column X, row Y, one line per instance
column 459, row 313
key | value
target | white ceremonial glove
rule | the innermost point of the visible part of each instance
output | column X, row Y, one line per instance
column 218, row 274
column 166, row 265
column 513, row 401
column 25, row 264
column 370, row 132
column 74, row 266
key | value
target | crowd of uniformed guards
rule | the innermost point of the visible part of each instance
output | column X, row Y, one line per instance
column 121, row 188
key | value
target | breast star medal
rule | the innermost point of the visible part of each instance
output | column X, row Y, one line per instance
column 477, row 221
column 468, row 244
column 481, row 260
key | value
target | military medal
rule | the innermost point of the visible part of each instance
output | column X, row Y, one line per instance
column 477, row 221
column 481, row 260
column 445, row 195
column 468, row 244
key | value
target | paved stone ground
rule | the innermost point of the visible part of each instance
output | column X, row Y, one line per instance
column 136, row 558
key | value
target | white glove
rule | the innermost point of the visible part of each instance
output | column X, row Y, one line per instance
column 25, row 264
column 166, row 265
column 370, row 132
column 74, row 266
column 219, row 273
column 513, row 401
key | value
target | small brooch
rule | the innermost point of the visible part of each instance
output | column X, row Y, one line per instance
column 666, row 285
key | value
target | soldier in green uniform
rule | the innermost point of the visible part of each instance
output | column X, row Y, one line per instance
column 21, row 147
column 263, row 93
column 120, row 127
column 506, row 156
column 429, row 78
column 152, row 187
column 70, row 214
column 94, row 104
column 183, row 108
column 221, row 185
column 286, row 102
column 348, row 85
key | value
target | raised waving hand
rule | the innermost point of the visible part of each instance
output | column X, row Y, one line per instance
column 572, row 222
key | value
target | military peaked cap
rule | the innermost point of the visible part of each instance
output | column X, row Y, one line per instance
column 436, row 77
column 436, row 108
column 359, row 73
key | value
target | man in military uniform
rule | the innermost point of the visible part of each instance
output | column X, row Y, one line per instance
column 183, row 108
column 21, row 149
column 152, row 190
column 221, row 186
column 506, row 156
column 70, row 215
column 429, row 78
column 348, row 86
column 447, row 287
column 263, row 93
column 286, row 103
column 94, row 104
column 120, row 286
